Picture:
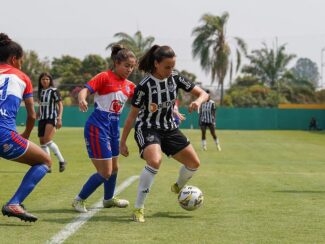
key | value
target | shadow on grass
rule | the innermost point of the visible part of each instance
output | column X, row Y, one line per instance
column 295, row 191
column 77, row 218
column 171, row 215
column 51, row 211
column 11, row 172
column 19, row 224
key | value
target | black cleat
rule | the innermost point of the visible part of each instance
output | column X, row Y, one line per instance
column 16, row 210
column 62, row 166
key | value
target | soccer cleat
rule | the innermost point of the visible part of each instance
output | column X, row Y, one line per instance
column 62, row 166
column 79, row 206
column 115, row 202
column 138, row 215
column 204, row 148
column 175, row 188
column 16, row 210
column 218, row 147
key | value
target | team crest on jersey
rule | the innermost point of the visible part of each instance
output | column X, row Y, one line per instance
column 171, row 87
column 153, row 107
column 116, row 106
column 6, row 147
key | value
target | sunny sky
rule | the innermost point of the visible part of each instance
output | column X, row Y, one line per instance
column 80, row 27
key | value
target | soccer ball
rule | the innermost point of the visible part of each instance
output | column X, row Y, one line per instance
column 190, row 198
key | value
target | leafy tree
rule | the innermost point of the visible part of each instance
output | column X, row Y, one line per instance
column 92, row 65
column 269, row 65
column 212, row 47
column 68, row 70
column 33, row 66
column 306, row 70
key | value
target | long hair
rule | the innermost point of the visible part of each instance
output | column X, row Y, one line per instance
column 40, row 87
column 9, row 48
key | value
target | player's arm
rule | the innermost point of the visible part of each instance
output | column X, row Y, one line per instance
column 60, row 112
column 201, row 95
column 82, row 96
column 31, row 117
column 126, row 130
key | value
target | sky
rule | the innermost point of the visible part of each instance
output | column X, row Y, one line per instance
column 82, row 27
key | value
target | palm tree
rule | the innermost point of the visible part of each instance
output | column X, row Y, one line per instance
column 212, row 47
column 269, row 65
column 137, row 44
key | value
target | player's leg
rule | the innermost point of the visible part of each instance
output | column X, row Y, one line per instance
column 40, row 162
column 203, row 137
column 213, row 133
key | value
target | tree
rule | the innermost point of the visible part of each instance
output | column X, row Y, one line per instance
column 211, row 46
column 92, row 65
column 307, row 70
column 269, row 65
column 33, row 67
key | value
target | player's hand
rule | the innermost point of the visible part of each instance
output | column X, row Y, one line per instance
column 194, row 106
column 124, row 149
column 58, row 123
column 83, row 106
column 25, row 135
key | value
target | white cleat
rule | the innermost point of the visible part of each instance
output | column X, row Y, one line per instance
column 115, row 202
column 218, row 147
column 79, row 206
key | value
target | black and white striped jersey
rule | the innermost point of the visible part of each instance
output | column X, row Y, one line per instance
column 207, row 112
column 156, row 99
column 48, row 103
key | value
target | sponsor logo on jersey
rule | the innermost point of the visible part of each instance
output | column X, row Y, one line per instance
column 6, row 147
column 153, row 107
column 186, row 83
column 116, row 106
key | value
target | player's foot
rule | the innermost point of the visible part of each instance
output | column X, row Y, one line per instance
column 16, row 210
column 49, row 170
column 138, row 215
column 62, row 166
column 115, row 202
column 218, row 147
column 175, row 188
column 79, row 206
column 204, row 148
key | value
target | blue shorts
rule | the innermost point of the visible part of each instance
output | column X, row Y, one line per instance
column 12, row 145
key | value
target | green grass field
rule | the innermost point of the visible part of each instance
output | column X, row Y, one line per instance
column 263, row 187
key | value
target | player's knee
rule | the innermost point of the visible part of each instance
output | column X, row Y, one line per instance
column 155, row 163
column 194, row 164
column 105, row 174
column 47, row 160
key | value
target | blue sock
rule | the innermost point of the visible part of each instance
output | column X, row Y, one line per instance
column 30, row 180
column 109, row 186
column 91, row 185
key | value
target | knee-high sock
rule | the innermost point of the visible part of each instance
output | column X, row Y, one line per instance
column 55, row 149
column 30, row 180
column 145, row 183
column 46, row 149
column 109, row 186
column 91, row 185
column 185, row 174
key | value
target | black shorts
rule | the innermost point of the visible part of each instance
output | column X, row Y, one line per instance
column 42, row 124
column 171, row 142
column 204, row 125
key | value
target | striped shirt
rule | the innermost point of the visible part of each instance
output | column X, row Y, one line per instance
column 207, row 112
column 156, row 100
column 48, row 103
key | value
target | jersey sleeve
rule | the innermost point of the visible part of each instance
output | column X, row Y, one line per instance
column 184, row 83
column 132, row 88
column 138, row 97
column 28, row 92
column 57, row 95
column 96, row 82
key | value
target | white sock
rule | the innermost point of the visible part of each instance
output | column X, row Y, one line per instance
column 185, row 174
column 217, row 140
column 145, row 183
column 204, row 143
column 46, row 149
column 55, row 150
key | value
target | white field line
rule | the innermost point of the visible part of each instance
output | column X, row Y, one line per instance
column 82, row 218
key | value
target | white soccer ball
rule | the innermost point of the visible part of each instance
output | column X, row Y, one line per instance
column 190, row 198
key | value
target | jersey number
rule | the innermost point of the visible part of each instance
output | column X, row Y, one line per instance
column 3, row 89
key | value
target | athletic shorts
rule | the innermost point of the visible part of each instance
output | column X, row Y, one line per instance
column 42, row 124
column 206, row 125
column 97, row 142
column 12, row 145
column 171, row 142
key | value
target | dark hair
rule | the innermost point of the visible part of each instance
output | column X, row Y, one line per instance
column 9, row 48
column 207, row 91
column 40, row 87
column 155, row 53
column 120, row 54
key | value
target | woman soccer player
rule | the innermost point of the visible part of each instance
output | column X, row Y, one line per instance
column 14, row 87
column 155, row 128
column 207, row 115
column 112, row 89
column 50, row 116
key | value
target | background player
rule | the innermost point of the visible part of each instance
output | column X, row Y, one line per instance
column 155, row 128
column 112, row 89
column 14, row 87
column 50, row 116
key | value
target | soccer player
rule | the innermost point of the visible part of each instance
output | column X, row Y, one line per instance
column 155, row 128
column 207, row 115
column 14, row 87
column 112, row 89
column 50, row 116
